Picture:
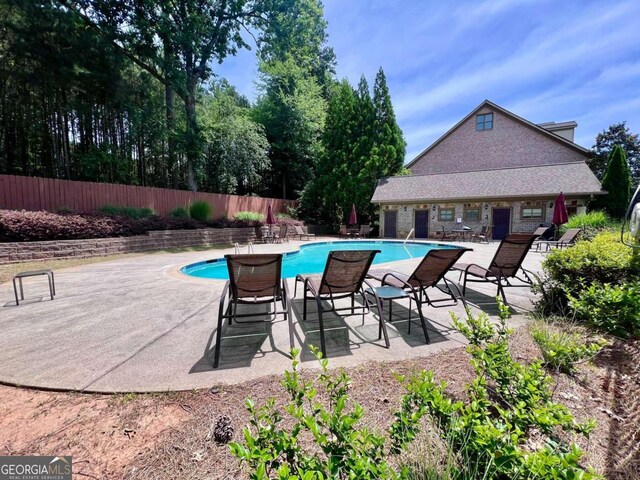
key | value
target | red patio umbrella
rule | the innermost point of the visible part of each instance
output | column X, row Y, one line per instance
column 560, row 214
column 270, row 218
column 353, row 219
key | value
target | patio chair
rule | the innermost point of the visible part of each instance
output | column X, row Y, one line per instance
column 281, row 236
column 343, row 277
column 261, row 235
column 302, row 232
column 344, row 231
column 364, row 231
column 565, row 240
column 444, row 235
column 506, row 264
column 254, row 279
column 428, row 274
column 483, row 235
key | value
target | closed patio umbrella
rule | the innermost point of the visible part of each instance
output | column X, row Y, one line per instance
column 353, row 219
column 270, row 218
column 560, row 214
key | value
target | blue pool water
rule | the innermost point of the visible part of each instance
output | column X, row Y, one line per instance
column 311, row 258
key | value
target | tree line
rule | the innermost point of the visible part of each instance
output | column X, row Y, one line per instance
column 125, row 91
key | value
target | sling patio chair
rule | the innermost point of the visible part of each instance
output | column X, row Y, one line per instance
column 364, row 231
column 483, row 235
column 302, row 232
column 428, row 274
column 343, row 277
column 565, row 240
column 344, row 231
column 262, row 236
column 281, row 236
column 448, row 235
column 254, row 279
column 505, row 266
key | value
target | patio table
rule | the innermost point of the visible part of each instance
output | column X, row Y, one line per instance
column 464, row 233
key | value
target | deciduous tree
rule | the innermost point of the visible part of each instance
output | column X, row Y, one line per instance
column 616, row 134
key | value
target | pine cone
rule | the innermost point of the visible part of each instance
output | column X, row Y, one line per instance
column 223, row 432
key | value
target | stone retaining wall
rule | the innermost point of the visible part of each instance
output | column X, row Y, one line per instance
column 157, row 240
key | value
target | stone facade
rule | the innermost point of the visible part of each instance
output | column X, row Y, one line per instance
column 158, row 240
column 406, row 215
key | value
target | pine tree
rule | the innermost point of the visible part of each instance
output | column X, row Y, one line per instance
column 616, row 181
column 392, row 146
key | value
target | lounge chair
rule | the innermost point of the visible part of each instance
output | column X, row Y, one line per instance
column 428, row 274
column 364, row 231
column 506, row 264
column 253, row 280
column 566, row 240
column 483, row 235
column 302, row 232
column 343, row 277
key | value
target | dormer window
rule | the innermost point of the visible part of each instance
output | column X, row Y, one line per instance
column 484, row 122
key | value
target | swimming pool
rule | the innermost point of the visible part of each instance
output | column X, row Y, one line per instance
column 312, row 257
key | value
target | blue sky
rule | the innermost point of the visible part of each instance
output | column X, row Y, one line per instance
column 542, row 60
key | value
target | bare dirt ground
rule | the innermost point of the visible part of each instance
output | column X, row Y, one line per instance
column 170, row 435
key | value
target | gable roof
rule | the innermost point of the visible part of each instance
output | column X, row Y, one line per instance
column 507, row 113
column 574, row 179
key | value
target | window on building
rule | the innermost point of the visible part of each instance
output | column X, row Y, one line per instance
column 532, row 212
column 446, row 214
column 484, row 122
column 472, row 213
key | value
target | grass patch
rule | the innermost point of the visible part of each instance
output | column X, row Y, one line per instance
column 563, row 345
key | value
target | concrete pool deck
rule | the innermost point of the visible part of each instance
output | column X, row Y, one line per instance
column 138, row 325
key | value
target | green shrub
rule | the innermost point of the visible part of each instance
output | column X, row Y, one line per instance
column 604, row 259
column 179, row 212
column 249, row 216
column 200, row 211
column 591, row 224
column 129, row 212
column 489, row 434
column 610, row 308
column 563, row 347
column 343, row 447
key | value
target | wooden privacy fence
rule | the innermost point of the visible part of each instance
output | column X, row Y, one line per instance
column 34, row 193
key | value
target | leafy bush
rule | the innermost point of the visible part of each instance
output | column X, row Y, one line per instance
column 509, row 404
column 180, row 212
column 200, row 211
column 491, row 433
column 591, row 223
column 343, row 448
column 563, row 347
column 21, row 226
column 610, row 308
column 130, row 212
column 249, row 216
column 601, row 260
column 604, row 259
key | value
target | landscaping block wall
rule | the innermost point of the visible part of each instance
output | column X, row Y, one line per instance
column 157, row 240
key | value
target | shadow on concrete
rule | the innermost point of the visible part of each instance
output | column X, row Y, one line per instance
column 398, row 324
column 243, row 342
column 336, row 329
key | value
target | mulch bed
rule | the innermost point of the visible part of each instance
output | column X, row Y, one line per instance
column 170, row 435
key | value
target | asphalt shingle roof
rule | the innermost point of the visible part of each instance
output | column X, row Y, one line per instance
column 548, row 180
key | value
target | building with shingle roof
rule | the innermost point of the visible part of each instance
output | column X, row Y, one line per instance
column 492, row 168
